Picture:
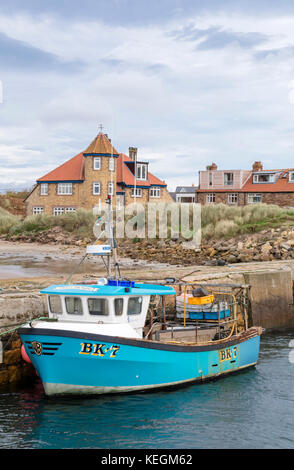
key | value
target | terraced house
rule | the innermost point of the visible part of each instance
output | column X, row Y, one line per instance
column 242, row 187
column 85, row 181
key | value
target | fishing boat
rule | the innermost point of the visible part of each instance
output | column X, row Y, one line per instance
column 114, row 335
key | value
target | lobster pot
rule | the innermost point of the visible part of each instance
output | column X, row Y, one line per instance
column 210, row 311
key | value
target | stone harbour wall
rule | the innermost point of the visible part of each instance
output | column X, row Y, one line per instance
column 13, row 369
column 17, row 308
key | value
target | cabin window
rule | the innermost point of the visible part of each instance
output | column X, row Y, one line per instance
column 55, row 304
column 134, row 305
column 118, row 307
column 98, row 306
column 74, row 305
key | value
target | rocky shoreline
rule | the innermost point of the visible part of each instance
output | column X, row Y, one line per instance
column 267, row 245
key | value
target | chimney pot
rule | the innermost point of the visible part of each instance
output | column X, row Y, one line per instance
column 133, row 153
column 211, row 167
column 257, row 166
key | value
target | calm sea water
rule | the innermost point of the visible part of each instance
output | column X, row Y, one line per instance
column 254, row 409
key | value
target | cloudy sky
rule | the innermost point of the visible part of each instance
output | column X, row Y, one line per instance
column 188, row 82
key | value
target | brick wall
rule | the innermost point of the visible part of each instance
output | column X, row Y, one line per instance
column 280, row 199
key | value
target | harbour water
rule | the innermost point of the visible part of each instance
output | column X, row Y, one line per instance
column 253, row 409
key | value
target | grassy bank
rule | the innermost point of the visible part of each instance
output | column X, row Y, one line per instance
column 218, row 221
column 221, row 221
column 80, row 223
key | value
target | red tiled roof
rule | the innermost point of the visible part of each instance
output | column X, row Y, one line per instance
column 101, row 145
column 281, row 185
column 125, row 175
column 72, row 170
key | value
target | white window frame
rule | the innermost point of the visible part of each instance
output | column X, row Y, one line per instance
column 69, row 209
column 155, row 191
column 210, row 179
column 44, row 189
column 138, row 192
column 251, row 196
column 58, row 211
column 64, row 189
column 257, row 181
column 233, row 198
column 97, row 163
column 110, row 188
column 210, row 198
column 111, row 164
column 38, row 210
column 95, row 185
column 228, row 182
column 291, row 176
column 141, row 171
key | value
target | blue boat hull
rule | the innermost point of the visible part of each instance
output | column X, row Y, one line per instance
column 78, row 363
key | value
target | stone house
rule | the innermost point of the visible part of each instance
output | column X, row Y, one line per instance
column 185, row 194
column 86, row 180
column 242, row 187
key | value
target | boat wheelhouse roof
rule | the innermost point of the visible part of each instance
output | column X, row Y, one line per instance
column 106, row 290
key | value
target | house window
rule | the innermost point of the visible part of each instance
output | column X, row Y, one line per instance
column 96, row 188
column 229, row 179
column 58, row 210
column 44, row 189
column 64, row 188
column 38, row 210
column 110, row 189
column 137, row 192
column 210, row 179
column 155, row 192
column 70, row 209
column 263, row 178
column 232, row 198
column 141, row 172
column 111, row 164
column 254, row 198
column 97, row 163
column 291, row 176
column 210, row 198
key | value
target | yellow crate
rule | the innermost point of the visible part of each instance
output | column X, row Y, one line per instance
column 207, row 299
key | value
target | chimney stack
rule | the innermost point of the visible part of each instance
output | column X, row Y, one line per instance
column 257, row 166
column 133, row 153
column 211, row 167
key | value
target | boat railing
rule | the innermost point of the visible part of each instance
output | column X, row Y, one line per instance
column 237, row 321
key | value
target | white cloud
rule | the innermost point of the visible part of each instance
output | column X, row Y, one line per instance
column 154, row 91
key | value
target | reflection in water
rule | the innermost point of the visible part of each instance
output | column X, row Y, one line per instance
column 253, row 409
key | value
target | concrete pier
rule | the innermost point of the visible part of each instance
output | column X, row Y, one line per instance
column 271, row 299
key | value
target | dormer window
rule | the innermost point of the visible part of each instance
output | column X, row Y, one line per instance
column 291, row 176
column 229, row 179
column 264, row 178
column 141, row 171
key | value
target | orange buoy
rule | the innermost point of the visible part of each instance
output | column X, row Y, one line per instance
column 24, row 355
